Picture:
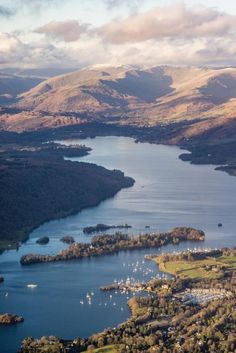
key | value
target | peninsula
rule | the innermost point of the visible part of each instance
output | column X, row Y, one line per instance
column 110, row 244
column 37, row 185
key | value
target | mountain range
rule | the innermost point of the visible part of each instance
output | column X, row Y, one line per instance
column 161, row 92
column 129, row 95
column 14, row 81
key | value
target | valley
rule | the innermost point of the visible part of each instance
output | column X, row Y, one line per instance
column 40, row 155
column 186, row 106
column 117, row 176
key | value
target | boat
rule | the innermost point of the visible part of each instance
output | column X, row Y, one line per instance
column 31, row 285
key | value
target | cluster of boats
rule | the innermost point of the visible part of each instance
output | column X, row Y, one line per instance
column 110, row 301
column 127, row 286
column 89, row 297
column 138, row 267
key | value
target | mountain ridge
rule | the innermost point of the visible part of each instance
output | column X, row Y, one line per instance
column 159, row 94
column 201, row 99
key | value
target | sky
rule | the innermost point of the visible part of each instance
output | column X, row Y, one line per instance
column 81, row 33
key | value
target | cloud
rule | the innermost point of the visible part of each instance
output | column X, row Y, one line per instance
column 92, row 51
column 176, row 35
column 15, row 53
column 199, row 51
column 68, row 31
column 8, row 43
column 176, row 21
column 5, row 11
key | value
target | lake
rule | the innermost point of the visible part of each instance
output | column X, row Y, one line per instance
column 167, row 193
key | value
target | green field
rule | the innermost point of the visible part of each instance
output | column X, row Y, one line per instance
column 106, row 349
column 207, row 268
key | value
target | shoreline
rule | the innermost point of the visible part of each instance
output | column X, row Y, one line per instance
column 110, row 244
column 201, row 150
column 90, row 131
column 48, row 187
column 15, row 244
column 158, row 313
column 57, row 217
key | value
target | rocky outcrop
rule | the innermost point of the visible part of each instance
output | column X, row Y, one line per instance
column 9, row 319
column 67, row 239
column 109, row 244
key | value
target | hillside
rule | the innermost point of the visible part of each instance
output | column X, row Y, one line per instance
column 11, row 85
column 43, row 73
column 14, row 82
column 204, row 98
column 193, row 107
column 37, row 185
column 158, row 95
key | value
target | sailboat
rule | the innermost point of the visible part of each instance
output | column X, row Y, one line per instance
column 32, row 285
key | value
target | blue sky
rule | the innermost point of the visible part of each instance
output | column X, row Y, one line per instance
column 37, row 33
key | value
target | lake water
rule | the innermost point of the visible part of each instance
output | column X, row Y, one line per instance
column 167, row 193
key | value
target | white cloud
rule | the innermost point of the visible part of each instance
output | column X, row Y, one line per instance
column 176, row 35
column 8, row 42
column 178, row 21
column 14, row 52
column 68, row 31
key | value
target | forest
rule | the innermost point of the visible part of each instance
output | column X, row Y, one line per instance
column 38, row 185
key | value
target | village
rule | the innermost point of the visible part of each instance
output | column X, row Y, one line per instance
column 201, row 296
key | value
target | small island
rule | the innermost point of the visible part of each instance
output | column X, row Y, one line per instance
column 10, row 319
column 43, row 241
column 103, row 227
column 67, row 239
column 110, row 244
